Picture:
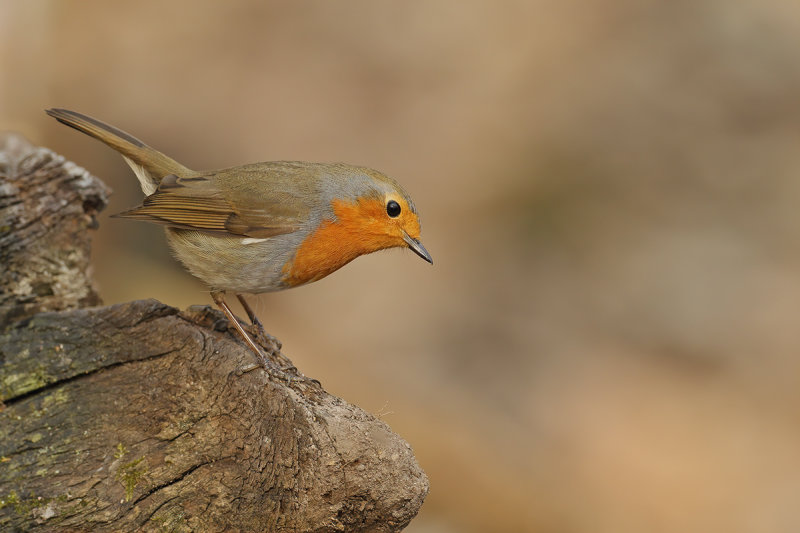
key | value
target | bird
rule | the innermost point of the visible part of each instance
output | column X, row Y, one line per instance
column 262, row 227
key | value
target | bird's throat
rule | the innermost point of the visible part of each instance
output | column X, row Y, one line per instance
column 337, row 242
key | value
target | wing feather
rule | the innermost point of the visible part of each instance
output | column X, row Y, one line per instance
column 197, row 203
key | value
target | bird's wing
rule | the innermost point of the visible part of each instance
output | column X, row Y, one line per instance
column 210, row 204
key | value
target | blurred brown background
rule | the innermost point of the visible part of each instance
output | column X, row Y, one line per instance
column 608, row 341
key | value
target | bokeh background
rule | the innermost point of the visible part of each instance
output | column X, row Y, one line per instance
column 609, row 340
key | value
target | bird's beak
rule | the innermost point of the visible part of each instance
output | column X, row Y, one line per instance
column 417, row 247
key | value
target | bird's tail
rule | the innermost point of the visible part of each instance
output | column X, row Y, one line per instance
column 149, row 165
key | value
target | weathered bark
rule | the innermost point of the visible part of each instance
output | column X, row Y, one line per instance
column 135, row 417
column 46, row 205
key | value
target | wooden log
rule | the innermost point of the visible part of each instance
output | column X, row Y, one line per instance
column 135, row 417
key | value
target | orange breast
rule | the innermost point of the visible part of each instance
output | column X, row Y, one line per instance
column 359, row 228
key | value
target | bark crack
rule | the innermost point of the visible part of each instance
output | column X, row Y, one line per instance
column 64, row 381
column 180, row 477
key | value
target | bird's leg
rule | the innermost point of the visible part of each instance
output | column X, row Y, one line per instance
column 272, row 341
column 219, row 299
column 257, row 323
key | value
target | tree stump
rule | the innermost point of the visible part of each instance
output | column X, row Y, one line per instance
column 134, row 417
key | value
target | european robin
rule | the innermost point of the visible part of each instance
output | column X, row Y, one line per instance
column 264, row 226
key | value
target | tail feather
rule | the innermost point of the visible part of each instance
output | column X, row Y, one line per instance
column 149, row 165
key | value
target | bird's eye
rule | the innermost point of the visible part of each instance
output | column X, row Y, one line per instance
column 393, row 209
